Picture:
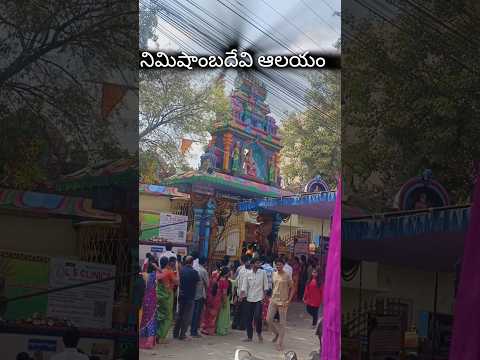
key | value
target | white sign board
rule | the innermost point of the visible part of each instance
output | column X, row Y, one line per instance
column 301, row 245
column 47, row 346
column 173, row 227
column 157, row 250
column 233, row 242
column 86, row 306
column 143, row 250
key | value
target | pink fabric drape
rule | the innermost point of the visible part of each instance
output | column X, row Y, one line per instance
column 466, row 329
column 331, row 326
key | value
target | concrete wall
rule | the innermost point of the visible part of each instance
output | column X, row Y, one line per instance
column 412, row 285
column 43, row 236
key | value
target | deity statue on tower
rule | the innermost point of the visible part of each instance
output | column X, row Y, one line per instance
column 249, row 165
column 271, row 170
column 236, row 165
column 208, row 160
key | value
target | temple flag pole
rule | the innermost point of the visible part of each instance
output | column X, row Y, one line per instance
column 331, row 325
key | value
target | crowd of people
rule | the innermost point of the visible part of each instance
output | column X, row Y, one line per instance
column 244, row 295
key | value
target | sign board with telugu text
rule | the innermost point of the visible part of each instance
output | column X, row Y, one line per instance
column 173, row 228
column 86, row 306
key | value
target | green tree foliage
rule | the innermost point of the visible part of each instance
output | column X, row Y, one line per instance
column 311, row 138
column 176, row 105
column 411, row 101
column 53, row 54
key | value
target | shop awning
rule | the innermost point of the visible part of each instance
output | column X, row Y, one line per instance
column 53, row 205
column 158, row 190
column 215, row 182
column 108, row 173
column 431, row 240
column 316, row 205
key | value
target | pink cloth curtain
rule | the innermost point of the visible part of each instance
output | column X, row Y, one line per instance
column 331, row 326
column 466, row 329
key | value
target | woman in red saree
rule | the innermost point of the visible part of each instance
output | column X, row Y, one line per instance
column 217, row 291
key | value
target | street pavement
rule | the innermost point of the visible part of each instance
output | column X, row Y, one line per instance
column 300, row 337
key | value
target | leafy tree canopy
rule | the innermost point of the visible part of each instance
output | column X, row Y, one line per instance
column 411, row 101
column 176, row 105
column 53, row 55
column 311, row 138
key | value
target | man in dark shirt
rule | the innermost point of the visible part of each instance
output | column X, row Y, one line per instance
column 188, row 284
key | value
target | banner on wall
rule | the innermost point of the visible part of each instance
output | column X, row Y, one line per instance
column 157, row 250
column 301, row 244
column 22, row 274
column 173, row 227
column 45, row 346
column 87, row 306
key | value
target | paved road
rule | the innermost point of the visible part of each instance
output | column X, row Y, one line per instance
column 300, row 338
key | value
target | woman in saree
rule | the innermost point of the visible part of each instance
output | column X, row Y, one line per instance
column 223, row 319
column 167, row 279
column 148, row 323
column 215, row 295
column 135, row 316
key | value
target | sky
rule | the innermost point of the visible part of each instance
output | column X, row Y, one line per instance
column 297, row 25
column 301, row 24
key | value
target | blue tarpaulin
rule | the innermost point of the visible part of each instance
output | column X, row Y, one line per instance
column 316, row 205
column 432, row 240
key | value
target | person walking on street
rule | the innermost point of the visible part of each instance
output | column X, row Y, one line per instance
column 238, row 319
column 200, row 296
column 286, row 267
column 253, row 289
column 217, row 290
column 148, row 323
column 267, row 266
column 313, row 296
column 303, row 277
column 167, row 279
column 223, row 318
column 188, row 285
column 282, row 295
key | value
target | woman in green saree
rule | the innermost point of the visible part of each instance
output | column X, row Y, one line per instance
column 166, row 281
column 223, row 319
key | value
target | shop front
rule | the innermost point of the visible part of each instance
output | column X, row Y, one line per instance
column 44, row 247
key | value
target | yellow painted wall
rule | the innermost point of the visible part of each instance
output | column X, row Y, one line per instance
column 45, row 236
column 309, row 224
column 154, row 203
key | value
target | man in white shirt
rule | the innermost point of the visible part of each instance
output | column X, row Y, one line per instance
column 168, row 253
column 70, row 340
column 253, row 289
column 287, row 268
column 239, row 313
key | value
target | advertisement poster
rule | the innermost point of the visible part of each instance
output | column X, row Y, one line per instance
column 22, row 274
column 87, row 306
column 173, row 228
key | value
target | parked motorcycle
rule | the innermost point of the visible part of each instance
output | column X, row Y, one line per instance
column 243, row 354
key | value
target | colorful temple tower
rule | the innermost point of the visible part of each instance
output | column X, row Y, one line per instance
column 241, row 162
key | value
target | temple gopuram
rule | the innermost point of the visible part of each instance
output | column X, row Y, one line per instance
column 241, row 163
